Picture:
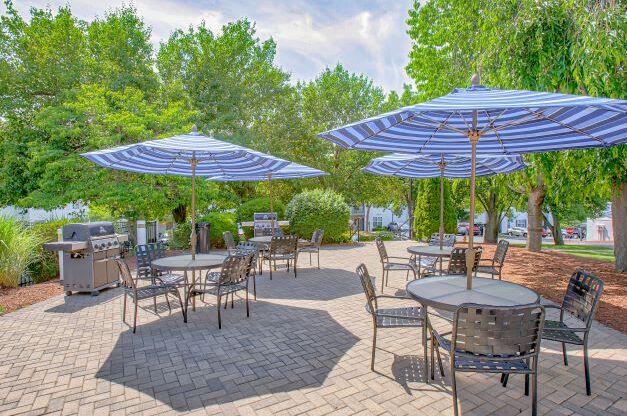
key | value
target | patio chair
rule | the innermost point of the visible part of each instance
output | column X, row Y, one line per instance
column 580, row 303
column 283, row 249
column 136, row 294
column 232, row 278
column 314, row 245
column 494, row 266
column 448, row 240
column 229, row 241
column 146, row 254
column 245, row 247
column 490, row 339
column 408, row 264
column 457, row 263
column 402, row 317
column 427, row 264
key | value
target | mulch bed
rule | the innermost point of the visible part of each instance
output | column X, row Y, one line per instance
column 548, row 272
column 16, row 298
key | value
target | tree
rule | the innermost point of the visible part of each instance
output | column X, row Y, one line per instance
column 427, row 213
column 496, row 199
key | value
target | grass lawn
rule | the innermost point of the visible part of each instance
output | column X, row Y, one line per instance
column 581, row 250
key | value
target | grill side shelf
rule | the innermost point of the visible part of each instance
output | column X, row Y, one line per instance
column 65, row 246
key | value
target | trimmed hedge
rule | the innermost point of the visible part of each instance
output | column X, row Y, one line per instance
column 220, row 222
column 246, row 210
column 318, row 208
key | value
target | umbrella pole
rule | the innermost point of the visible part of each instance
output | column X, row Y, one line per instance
column 193, row 162
column 473, row 136
column 271, row 208
column 442, row 166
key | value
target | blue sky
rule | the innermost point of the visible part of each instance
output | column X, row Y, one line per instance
column 365, row 36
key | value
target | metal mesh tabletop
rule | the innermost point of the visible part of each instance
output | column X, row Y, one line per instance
column 185, row 262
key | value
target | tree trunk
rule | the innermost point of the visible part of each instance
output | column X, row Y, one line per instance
column 411, row 202
column 491, row 231
column 179, row 214
column 556, row 229
column 619, row 225
column 367, row 218
column 535, row 199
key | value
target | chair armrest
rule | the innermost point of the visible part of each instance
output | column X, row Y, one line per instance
column 393, row 297
column 490, row 262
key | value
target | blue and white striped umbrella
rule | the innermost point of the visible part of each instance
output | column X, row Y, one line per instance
column 189, row 154
column 422, row 166
column 490, row 121
column 172, row 156
column 507, row 121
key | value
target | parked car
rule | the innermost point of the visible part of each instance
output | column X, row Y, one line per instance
column 517, row 232
column 393, row 226
column 462, row 229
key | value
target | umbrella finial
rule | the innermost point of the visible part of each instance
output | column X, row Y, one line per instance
column 194, row 129
column 475, row 80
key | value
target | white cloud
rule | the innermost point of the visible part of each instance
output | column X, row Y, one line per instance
column 366, row 37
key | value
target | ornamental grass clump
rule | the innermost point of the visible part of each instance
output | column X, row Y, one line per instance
column 19, row 246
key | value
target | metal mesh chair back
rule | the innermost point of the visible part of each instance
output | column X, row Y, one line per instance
column 142, row 255
column 498, row 331
column 383, row 253
column 125, row 274
column 316, row 238
column 582, row 296
column 229, row 241
column 457, row 263
column 500, row 252
column 366, row 282
column 283, row 245
column 448, row 240
column 234, row 269
column 248, row 247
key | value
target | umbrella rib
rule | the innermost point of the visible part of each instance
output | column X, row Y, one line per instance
column 496, row 133
column 491, row 122
column 576, row 130
column 173, row 161
column 464, row 120
column 441, row 125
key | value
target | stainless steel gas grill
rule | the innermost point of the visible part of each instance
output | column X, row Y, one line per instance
column 89, row 253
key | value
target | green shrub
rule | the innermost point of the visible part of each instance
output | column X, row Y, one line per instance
column 220, row 222
column 19, row 247
column 246, row 210
column 180, row 236
column 317, row 208
column 427, row 212
column 46, row 267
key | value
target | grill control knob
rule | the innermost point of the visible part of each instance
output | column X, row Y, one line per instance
column 109, row 244
column 115, row 242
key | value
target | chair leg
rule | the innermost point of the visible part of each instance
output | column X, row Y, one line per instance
column 586, row 367
column 294, row 268
column 226, row 301
column 255, row 286
column 374, row 347
column 135, row 317
column 564, row 354
column 534, row 389
column 382, row 278
column 407, row 276
column 318, row 259
column 178, row 296
column 310, row 258
column 270, row 267
column 124, row 309
column 387, row 278
column 247, row 308
column 454, row 388
column 437, row 352
column 232, row 300
column 219, row 316
column 505, row 379
column 154, row 302
column 432, row 357
column 168, row 302
column 527, row 381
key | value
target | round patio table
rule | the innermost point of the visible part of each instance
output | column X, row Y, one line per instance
column 185, row 264
column 430, row 251
column 448, row 292
column 266, row 239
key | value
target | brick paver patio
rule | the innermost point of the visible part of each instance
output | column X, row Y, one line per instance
column 304, row 350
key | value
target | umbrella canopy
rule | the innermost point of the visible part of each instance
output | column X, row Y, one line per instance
column 423, row 166
column 291, row 171
column 191, row 154
column 490, row 121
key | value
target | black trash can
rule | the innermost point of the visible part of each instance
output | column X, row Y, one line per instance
column 203, row 241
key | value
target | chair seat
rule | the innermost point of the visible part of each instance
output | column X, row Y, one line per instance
column 170, row 278
column 487, row 269
column 150, row 291
column 221, row 290
column 398, row 266
column 561, row 335
column 399, row 317
column 473, row 362
column 428, row 261
column 280, row 256
column 212, row 277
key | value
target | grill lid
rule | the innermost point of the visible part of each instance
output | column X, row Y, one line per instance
column 83, row 232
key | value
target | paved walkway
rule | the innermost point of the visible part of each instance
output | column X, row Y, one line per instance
column 304, row 350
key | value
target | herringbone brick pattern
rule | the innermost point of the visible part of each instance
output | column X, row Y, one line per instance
column 304, row 350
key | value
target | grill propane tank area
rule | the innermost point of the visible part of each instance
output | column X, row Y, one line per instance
column 89, row 253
